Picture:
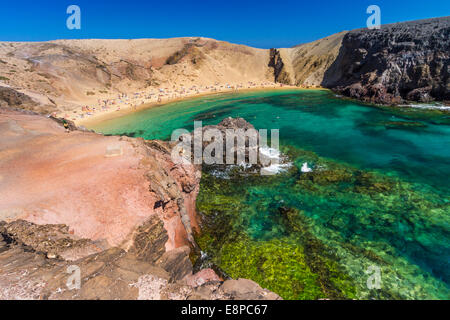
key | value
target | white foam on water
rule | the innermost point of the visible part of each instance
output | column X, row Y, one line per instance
column 245, row 165
column 277, row 162
column 276, row 168
column 204, row 255
column 270, row 153
column 305, row 167
column 427, row 106
column 221, row 174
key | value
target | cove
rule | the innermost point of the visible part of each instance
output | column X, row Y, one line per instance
column 378, row 195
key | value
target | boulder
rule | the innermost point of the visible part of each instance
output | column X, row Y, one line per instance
column 149, row 240
column 177, row 263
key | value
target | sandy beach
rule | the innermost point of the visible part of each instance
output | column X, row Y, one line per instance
column 119, row 109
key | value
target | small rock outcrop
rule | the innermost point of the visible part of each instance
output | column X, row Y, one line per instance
column 177, row 263
column 12, row 98
column 237, row 126
column 53, row 241
column 231, row 147
column 149, row 240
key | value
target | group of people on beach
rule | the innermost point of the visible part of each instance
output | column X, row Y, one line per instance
column 159, row 95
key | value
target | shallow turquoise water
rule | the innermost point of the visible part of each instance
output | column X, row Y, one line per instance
column 382, row 197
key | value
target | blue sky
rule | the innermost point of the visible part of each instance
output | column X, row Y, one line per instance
column 263, row 24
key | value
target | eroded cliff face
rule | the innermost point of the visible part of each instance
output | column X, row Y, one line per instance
column 402, row 61
column 279, row 69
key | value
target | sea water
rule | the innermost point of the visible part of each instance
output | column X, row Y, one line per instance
column 362, row 209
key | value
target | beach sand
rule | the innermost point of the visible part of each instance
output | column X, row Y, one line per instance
column 120, row 110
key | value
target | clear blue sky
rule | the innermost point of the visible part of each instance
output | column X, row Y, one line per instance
column 264, row 24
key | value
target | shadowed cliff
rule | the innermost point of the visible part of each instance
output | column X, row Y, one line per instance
column 398, row 62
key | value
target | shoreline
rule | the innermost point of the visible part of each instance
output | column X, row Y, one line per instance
column 128, row 109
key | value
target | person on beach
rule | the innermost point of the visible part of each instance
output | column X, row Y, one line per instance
column 66, row 125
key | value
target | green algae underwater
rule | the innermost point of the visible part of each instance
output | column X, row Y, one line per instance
column 378, row 195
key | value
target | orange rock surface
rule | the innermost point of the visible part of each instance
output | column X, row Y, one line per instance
column 97, row 185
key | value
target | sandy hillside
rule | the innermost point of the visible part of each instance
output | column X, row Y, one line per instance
column 310, row 61
column 65, row 74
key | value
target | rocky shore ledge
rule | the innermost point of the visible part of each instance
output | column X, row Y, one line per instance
column 116, row 208
column 400, row 62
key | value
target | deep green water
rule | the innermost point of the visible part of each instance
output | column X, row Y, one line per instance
column 378, row 196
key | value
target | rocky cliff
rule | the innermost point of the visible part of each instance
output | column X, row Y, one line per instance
column 402, row 61
column 118, row 208
column 101, row 187
column 279, row 69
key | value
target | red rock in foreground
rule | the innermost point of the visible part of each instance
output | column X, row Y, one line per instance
column 101, row 187
column 116, row 208
column 26, row 273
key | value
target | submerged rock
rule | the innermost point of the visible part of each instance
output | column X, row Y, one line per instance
column 403, row 124
column 324, row 177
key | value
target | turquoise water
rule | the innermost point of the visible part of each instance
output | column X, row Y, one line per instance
column 379, row 195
